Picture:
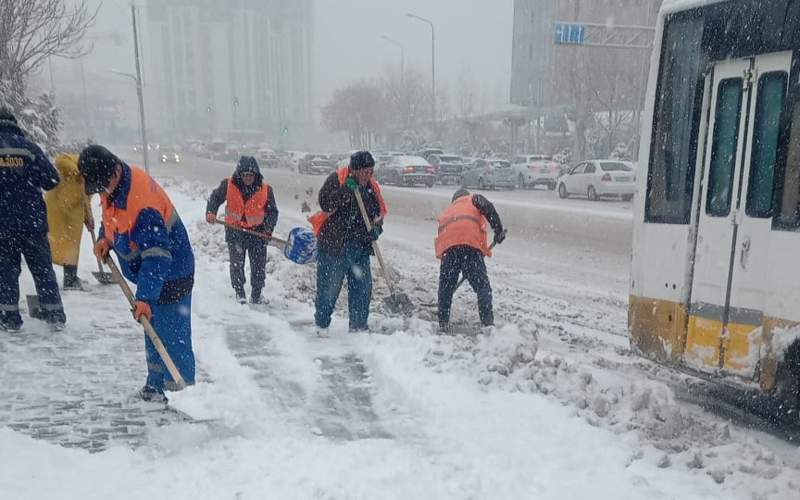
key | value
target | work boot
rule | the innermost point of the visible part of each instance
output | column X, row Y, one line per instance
column 56, row 320
column 10, row 322
column 323, row 332
column 152, row 395
column 241, row 297
column 444, row 328
column 71, row 280
column 256, row 298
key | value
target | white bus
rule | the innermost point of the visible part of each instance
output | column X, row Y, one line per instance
column 715, row 277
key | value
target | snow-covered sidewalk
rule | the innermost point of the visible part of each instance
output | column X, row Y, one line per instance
column 551, row 405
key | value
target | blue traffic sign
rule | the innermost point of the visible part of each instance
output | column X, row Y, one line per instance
column 570, row 33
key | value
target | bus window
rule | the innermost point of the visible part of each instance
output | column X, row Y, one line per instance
column 766, row 133
column 789, row 216
column 676, row 119
column 723, row 147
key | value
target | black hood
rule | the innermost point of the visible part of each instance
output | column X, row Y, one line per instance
column 247, row 164
column 9, row 127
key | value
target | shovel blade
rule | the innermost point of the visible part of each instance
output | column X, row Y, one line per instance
column 34, row 309
column 399, row 303
column 104, row 278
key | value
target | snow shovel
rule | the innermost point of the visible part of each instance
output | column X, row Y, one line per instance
column 148, row 327
column 101, row 276
column 397, row 302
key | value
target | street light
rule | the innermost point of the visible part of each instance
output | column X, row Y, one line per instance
column 402, row 55
column 142, row 131
column 433, row 64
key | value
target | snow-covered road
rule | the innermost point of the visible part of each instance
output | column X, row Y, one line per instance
column 552, row 405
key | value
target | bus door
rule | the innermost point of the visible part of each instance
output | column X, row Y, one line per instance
column 735, row 217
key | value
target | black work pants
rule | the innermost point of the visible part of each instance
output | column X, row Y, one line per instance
column 36, row 249
column 240, row 247
column 469, row 261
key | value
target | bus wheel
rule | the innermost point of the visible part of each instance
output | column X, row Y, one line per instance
column 787, row 378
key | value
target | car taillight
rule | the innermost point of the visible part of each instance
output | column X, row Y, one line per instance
column 555, row 168
column 409, row 170
column 606, row 177
column 433, row 169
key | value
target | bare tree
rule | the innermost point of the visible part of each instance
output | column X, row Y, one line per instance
column 33, row 30
column 359, row 110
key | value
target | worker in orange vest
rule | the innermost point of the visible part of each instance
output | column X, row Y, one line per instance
column 249, row 204
column 145, row 231
column 462, row 244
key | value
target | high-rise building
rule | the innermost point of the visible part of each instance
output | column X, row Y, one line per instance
column 225, row 68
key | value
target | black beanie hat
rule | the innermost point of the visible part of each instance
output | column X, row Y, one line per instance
column 97, row 165
column 459, row 193
column 361, row 160
column 247, row 164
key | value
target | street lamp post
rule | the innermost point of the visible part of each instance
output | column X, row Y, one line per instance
column 402, row 55
column 433, row 64
column 139, row 91
column 145, row 145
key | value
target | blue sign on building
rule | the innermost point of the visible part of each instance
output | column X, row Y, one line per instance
column 570, row 33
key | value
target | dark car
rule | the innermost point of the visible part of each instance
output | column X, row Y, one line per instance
column 450, row 168
column 169, row 156
column 406, row 171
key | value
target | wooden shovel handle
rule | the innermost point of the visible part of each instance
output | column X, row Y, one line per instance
column 148, row 327
column 375, row 247
column 248, row 231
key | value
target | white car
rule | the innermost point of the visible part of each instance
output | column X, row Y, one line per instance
column 533, row 170
column 597, row 178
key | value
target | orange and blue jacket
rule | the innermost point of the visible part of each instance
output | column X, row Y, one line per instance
column 149, row 238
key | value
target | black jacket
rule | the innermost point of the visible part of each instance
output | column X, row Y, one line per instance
column 345, row 225
column 24, row 172
column 219, row 195
column 487, row 210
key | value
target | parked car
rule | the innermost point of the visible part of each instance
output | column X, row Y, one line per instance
column 597, row 178
column 267, row 158
column 169, row 156
column 406, row 171
column 427, row 152
column 535, row 170
column 489, row 173
column 319, row 165
column 450, row 168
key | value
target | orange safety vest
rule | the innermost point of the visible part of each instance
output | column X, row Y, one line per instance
column 462, row 224
column 319, row 219
column 246, row 214
column 144, row 193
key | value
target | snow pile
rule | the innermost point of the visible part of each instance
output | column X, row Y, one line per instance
column 782, row 340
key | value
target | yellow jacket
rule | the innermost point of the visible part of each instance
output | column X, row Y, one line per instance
column 67, row 208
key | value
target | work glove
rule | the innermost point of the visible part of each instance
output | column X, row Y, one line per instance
column 211, row 217
column 376, row 232
column 101, row 249
column 142, row 308
column 500, row 237
column 351, row 183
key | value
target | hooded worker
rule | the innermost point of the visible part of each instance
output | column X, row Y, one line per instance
column 462, row 244
column 249, row 205
column 24, row 172
column 68, row 210
column 143, row 228
column 343, row 242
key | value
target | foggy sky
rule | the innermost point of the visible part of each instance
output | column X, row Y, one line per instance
column 474, row 34
column 469, row 33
